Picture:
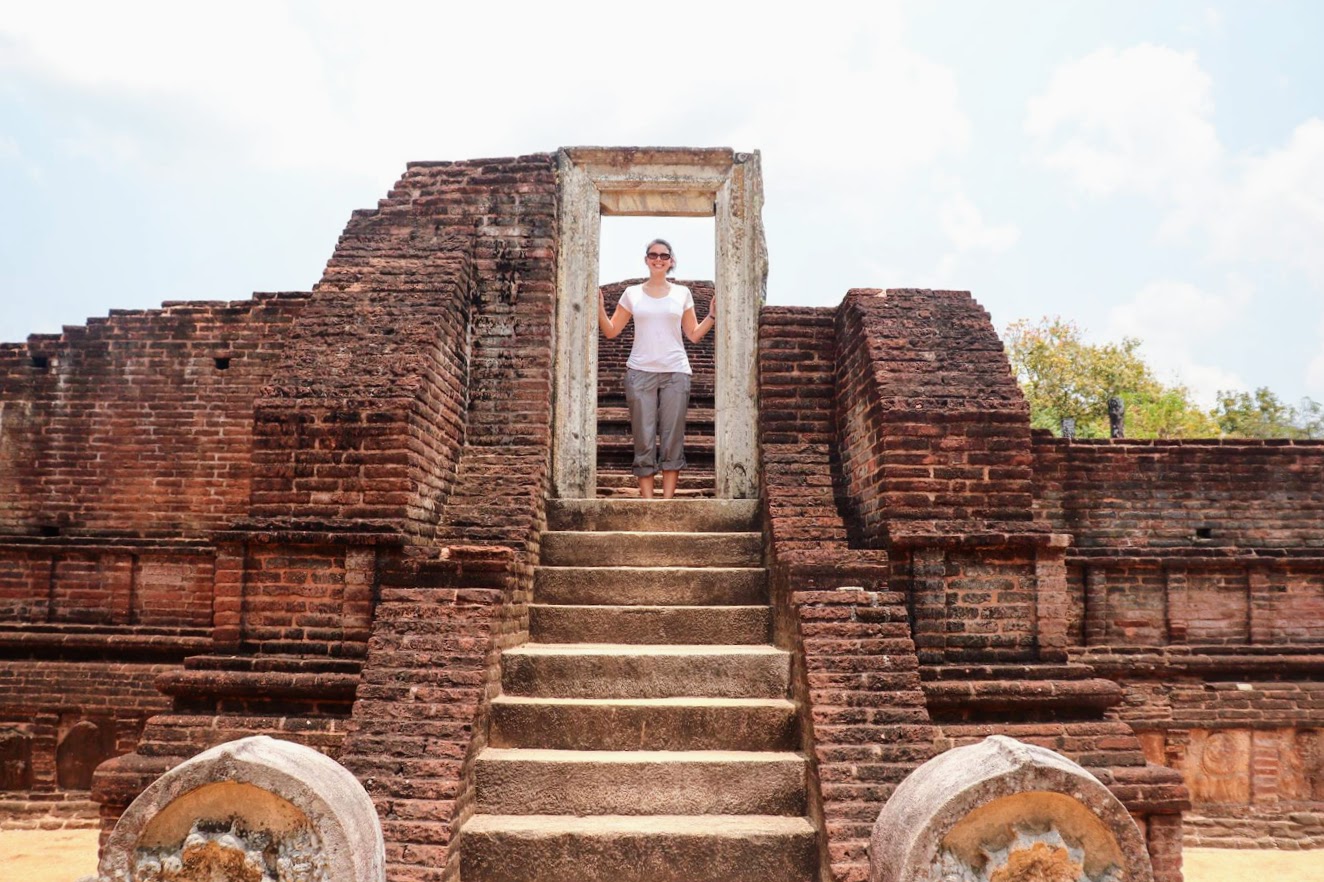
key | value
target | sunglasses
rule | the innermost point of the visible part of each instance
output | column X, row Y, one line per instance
column 658, row 255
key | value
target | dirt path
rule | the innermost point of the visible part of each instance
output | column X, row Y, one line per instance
column 68, row 855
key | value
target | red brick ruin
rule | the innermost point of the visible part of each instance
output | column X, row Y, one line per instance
column 226, row 519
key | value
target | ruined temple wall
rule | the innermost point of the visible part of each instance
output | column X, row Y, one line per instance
column 1197, row 582
column 363, row 422
column 139, row 424
column 44, row 702
column 421, row 711
column 124, row 446
column 1157, row 494
column 1210, row 543
column 855, row 673
column 931, row 422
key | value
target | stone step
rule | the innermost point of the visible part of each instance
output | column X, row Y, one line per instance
column 654, row 515
column 637, row 782
column 634, row 848
column 650, row 624
column 587, row 670
column 642, row 549
column 688, row 723
column 654, row 586
column 616, row 482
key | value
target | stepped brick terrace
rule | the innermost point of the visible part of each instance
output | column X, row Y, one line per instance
column 339, row 517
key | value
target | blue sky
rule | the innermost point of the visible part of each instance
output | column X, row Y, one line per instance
column 1145, row 169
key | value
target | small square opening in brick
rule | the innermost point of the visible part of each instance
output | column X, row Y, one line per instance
column 41, row 362
column 1204, row 532
column 48, row 530
column 222, row 362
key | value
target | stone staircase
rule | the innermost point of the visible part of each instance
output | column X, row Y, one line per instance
column 644, row 732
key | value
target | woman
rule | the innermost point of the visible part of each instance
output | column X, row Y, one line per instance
column 657, row 376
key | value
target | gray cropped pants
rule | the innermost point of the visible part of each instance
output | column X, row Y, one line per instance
column 657, row 402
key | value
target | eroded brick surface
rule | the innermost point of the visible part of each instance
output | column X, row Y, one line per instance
column 316, row 516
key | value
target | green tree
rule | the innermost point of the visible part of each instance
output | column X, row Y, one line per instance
column 1063, row 377
column 1261, row 414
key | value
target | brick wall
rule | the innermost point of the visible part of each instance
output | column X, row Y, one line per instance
column 137, row 424
column 1211, row 495
column 122, row 583
column 870, row 442
column 932, row 425
column 70, row 720
column 365, row 416
column 424, row 700
column 855, row 674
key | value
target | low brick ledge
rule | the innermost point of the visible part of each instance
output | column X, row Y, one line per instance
column 167, row 642
column 1198, row 553
column 1229, row 662
column 130, row 544
column 266, row 685
column 273, row 531
column 1006, row 672
column 1092, row 696
column 974, row 534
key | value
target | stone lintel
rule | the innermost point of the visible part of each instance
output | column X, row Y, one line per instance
column 657, row 203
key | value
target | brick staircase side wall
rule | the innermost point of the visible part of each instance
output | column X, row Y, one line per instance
column 936, row 458
column 932, row 425
column 855, row 674
column 362, row 425
column 443, row 619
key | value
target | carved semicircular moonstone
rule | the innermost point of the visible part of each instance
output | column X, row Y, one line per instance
column 1004, row 811
column 253, row 810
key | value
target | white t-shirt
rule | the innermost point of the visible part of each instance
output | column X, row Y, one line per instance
column 658, row 344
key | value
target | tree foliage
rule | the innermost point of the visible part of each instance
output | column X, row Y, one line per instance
column 1064, row 377
column 1260, row 414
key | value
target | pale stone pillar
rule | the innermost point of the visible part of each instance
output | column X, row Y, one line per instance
column 575, row 427
column 742, row 274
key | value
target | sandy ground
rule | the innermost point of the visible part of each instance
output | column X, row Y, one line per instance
column 47, row 855
column 68, row 855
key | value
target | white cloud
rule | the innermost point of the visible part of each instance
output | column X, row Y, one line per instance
column 1172, row 319
column 964, row 224
column 1139, row 121
column 1274, row 210
column 1131, row 120
column 1315, row 370
column 362, row 88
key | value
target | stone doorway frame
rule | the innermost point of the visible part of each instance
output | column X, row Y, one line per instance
column 659, row 182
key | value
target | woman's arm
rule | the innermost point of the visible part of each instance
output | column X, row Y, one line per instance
column 611, row 327
column 697, row 330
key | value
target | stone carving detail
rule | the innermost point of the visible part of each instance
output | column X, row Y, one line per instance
column 237, row 855
column 1116, row 417
column 83, row 748
column 1029, row 857
column 253, row 810
column 1003, row 811
column 15, row 760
